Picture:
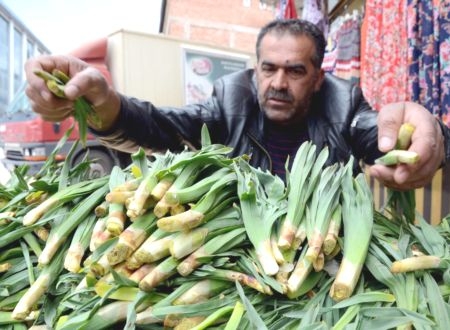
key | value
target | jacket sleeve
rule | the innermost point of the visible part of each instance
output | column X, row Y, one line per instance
column 363, row 129
column 141, row 124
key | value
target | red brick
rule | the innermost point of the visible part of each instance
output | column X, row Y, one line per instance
column 176, row 29
column 221, row 23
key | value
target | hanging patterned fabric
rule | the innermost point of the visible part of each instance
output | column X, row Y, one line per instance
column 329, row 59
column 342, row 54
column 314, row 11
column 384, row 66
column 429, row 55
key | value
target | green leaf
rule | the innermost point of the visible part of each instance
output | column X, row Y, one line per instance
column 430, row 239
column 50, row 162
column 438, row 307
column 64, row 177
column 205, row 137
column 252, row 314
column 365, row 297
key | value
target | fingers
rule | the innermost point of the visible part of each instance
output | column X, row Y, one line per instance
column 42, row 100
column 45, row 63
column 427, row 141
column 55, row 114
column 84, row 81
column 89, row 83
column 71, row 66
column 48, row 105
column 406, row 176
column 390, row 118
column 401, row 177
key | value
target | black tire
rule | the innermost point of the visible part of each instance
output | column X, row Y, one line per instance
column 102, row 162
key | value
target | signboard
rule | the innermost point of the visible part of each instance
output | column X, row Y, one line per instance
column 203, row 66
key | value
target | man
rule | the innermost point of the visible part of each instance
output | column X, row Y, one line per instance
column 266, row 112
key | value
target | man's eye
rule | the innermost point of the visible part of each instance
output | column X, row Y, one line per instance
column 296, row 73
column 267, row 69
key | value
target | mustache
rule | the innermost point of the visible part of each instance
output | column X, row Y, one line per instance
column 282, row 95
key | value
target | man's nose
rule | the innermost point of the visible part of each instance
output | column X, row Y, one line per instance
column 279, row 80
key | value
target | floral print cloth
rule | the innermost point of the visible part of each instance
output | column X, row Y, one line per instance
column 429, row 55
column 384, row 60
column 406, row 54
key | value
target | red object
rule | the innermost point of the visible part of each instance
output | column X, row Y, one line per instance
column 289, row 9
column 95, row 53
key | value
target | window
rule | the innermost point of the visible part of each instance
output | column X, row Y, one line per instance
column 4, row 63
column 30, row 49
column 18, row 59
column 39, row 51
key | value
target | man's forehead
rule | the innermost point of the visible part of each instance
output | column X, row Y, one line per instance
column 287, row 40
column 286, row 51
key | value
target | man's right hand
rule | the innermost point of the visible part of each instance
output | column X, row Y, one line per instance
column 84, row 81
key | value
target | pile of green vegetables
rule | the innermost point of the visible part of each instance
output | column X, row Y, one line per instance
column 198, row 240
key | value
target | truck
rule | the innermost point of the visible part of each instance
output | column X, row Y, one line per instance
column 153, row 67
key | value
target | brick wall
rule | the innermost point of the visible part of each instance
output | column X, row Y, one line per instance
column 225, row 23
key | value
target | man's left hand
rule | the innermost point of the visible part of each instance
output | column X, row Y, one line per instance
column 427, row 141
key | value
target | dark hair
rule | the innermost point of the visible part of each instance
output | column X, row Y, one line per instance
column 295, row 27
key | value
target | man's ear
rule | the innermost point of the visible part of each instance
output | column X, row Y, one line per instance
column 320, row 78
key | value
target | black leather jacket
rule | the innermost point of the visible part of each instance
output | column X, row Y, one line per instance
column 340, row 118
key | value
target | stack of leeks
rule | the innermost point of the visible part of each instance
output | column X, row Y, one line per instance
column 198, row 240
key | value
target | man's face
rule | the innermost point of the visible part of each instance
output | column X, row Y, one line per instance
column 286, row 77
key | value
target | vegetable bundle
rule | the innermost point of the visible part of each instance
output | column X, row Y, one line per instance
column 198, row 240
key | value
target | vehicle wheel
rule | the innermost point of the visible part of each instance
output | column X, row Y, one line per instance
column 102, row 163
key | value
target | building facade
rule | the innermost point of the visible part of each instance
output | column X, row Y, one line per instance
column 233, row 23
column 17, row 44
